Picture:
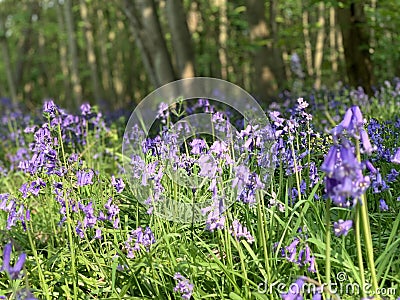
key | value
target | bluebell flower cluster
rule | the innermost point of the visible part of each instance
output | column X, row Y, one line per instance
column 342, row 227
column 344, row 181
column 13, row 271
column 139, row 238
column 183, row 286
column 16, row 211
column 299, row 252
column 239, row 231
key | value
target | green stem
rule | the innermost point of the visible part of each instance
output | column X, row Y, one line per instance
column 261, row 225
column 359, row 250
column 328, row 243
column 368, row 242
column 367, row 231
column 35, row 254
column 69, row 222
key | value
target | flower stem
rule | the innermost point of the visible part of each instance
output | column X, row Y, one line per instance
column 367, row 231
column 359, row 250
column 328, row 243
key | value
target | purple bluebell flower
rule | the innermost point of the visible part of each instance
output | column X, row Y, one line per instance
column 36, row 186
column 370, row 167
column 342, row 227
column 163, row 111
column 396, row 157
column 331, row 159
column 247, row 184
column 50, row 107
column 382, row 205
column 85, row 109
column 239, row 231
column 208, row 166
column 112, row 210
column 118, row 184
column 183, row 286
column 98, row 234
column 84, row 178
column 215, row 217
column 392, row 176
column 197, row 146
column 295, row 290
column 139, row 238
column 291, row 250
column 366, row 143
column 13, row 272
column 79, row 230
column 275, row 117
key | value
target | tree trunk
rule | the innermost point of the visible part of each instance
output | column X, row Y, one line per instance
column 222, row 37
column 356, row 44
column 264, row 80
column 146, row 27
column 26, row 42
column 307, row 42
column 278, row 66
column 181, row 39
column 319, row 46
column 91, row 55
column 332, row 40
column 12, row 89
column 63, row 53
column 73, row 54
column 101, row 37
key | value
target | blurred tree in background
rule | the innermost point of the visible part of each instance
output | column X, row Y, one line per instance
column 113, row 53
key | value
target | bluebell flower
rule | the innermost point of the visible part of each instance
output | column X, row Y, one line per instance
column 342, row 227
column 295, row 290
column 183, row 286
column 139, row 237
column 239, row 231
column 84, row 178
column 13, row 272
column 198, row 145
column 396, row 157
column 382, row 205
column 118, row 184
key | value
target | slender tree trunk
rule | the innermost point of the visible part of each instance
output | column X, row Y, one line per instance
column 307, row 43
column 278, row 66
column 12, row 89
column 319, row 46
column 63, row 53
column 356, row 44
column 222, row 37
column 181, row 39
column 101, row 37
column 146, row 27
column 264, row 80
column 73, row 54
column 91, row 55
column 332, row 40
column 26, row 42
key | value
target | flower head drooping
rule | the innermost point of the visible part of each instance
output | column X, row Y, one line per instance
column 118, row 184
column 139, row 237
column 344, row 177
column 84, row 178
column 239, row 231
column 396, row 157
column 342, row 227
column 295, row 289
column 183, row 286
column 383, row 206
column 13, row 272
